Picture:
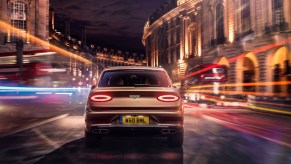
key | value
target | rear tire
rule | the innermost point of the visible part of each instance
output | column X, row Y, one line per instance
column 176, row 140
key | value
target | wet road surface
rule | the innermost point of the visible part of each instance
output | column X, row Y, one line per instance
column 211, row 136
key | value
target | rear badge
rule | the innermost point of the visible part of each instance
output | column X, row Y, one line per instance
column 134, row 96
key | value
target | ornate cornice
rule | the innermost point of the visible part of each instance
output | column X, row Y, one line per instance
column 27, row 2
column 178, row 11
column 23, row 1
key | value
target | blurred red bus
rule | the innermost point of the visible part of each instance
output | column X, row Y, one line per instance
column 34, row 74
column 204, row 74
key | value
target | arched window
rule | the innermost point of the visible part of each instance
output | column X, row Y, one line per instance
column 220, row 37
column 278, row 12
column 18, row 10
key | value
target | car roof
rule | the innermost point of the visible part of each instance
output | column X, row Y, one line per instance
column 134, row 67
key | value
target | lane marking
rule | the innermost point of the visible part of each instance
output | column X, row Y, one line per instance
column 232, row 126
column 34, row 125
column 17, row 97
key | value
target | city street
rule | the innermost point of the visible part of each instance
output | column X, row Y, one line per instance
column 211, row 136
column 210, row 79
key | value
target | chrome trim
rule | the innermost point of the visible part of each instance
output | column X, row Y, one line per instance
column 134, row 112
column 134, row 96
column 135, row 126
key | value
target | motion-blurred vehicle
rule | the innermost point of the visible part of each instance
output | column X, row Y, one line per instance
column 134, row 101
column 204, row 84
column 234, row 101
column 31, row 74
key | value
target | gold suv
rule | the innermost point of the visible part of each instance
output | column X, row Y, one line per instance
column 135, row 101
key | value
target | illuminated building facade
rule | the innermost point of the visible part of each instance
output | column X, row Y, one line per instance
column 252, row 38
column 30, row 16
column 70, row 61
column 103, row 57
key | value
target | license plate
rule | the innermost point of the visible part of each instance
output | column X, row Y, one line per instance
column 135, row 120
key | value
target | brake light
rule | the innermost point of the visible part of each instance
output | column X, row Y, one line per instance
column 100, row 98
column 168, row 98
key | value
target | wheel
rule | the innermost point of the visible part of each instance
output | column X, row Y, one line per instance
column 91, row 139
column 176, row 140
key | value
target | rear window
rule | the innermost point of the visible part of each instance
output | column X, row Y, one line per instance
column 134, row 78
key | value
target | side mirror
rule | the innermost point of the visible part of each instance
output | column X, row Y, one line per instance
column 93, row 86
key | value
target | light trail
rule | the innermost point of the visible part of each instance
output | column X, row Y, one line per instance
column 276, row 104
column 240, row 92
column 271, row 110
column 244, row 84
column 241, row 103
column 43, row 89
column 203, row 89
column 4, row 26
column 197, row 72
column 263, row 133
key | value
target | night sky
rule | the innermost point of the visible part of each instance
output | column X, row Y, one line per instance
column 116, row 24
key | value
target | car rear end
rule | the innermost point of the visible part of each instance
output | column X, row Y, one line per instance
column 134, row 101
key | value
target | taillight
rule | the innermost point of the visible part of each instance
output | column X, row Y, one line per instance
column 100, row 98
column 168, row 98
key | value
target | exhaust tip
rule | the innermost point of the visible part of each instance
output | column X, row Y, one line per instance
column 100, row 131
column 168, row 131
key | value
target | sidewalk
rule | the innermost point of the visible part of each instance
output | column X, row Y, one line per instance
column 280, row 105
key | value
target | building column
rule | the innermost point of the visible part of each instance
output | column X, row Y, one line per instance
column 182, row 38
column 253, row 14
column 287, row 9
column 269, row 12
column 237, row 16
column 187, row 37
column 199, row 32
column 28, row 19
column 259, row 20
column 157, row 59
column 230, row 19
column 6, row 18
column 190, row 41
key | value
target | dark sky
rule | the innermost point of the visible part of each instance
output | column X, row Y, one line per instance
column 114, row 24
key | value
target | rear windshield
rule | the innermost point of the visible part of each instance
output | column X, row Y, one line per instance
column 134, row 78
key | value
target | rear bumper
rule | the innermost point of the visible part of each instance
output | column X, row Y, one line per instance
column 161, row 122
column 160, row 130
column 111, row 115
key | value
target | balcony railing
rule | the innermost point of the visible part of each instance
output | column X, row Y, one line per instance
column 218, row 41
column 276, row 28
column 242, row 35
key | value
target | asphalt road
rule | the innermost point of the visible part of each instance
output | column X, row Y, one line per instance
column 212, row 136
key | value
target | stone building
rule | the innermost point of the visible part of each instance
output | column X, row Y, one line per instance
column 31, row 16
column 66, row 59
column 251, row 38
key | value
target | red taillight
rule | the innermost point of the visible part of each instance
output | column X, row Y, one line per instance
column 168, row 98
column 100, row 98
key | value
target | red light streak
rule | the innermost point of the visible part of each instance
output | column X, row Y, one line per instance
column 270, row 129
column 244, row 84
column 239, row 92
